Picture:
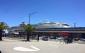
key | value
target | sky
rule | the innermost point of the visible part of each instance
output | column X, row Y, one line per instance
column 13, row 12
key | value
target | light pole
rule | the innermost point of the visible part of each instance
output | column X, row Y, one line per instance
column 29, row 29
column 30, row 14
column 74, row 24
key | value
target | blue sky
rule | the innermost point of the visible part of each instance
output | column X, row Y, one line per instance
column 13, row 12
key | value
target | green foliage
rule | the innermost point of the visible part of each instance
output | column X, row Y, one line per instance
column 2, row 26
column 29, row 28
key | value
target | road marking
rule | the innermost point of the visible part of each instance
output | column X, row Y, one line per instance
column 35, row 48
column 26, row 49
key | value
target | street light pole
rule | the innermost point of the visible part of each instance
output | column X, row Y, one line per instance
column 30, row 14
column 29, row 32
column 29, row 18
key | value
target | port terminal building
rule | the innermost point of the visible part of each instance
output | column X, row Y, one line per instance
column 54, row 29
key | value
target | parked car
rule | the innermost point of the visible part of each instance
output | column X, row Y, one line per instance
column 45, row 38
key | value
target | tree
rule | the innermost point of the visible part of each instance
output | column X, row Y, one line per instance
column 29, row 29
column 2, row 27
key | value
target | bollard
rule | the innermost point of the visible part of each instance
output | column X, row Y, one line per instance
column 0, row 51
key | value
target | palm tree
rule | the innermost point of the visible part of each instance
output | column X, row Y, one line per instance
column 2, row 27
column 29, row 29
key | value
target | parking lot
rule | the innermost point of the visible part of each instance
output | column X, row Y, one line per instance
column 9, row 45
